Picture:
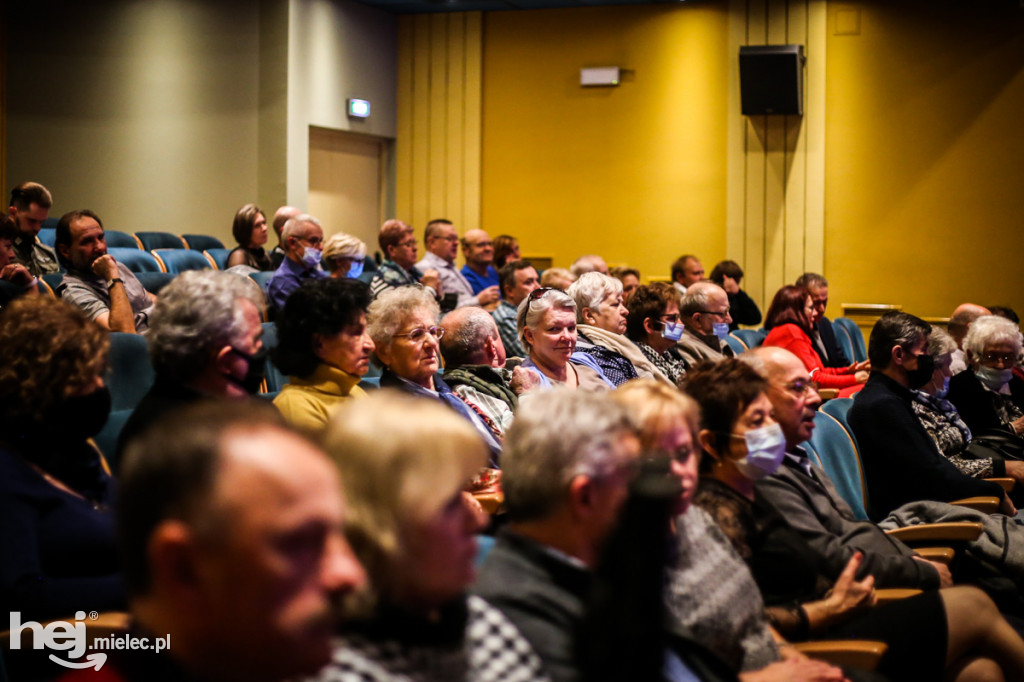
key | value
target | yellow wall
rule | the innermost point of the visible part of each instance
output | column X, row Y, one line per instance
column 924, row 198
column 636, row 172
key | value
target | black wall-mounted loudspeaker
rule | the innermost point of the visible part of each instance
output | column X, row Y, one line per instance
column 772, row 79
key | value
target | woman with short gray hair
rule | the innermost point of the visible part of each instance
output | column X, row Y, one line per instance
column 601, row 318
column 546, row 320
column 343, row 255
column 988, row 395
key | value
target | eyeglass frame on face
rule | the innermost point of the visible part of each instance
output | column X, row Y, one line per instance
column 791, row 387
column 674, row 319
column 407, row 244
column 1008, row 359
column 419, row 334
column 713, row 312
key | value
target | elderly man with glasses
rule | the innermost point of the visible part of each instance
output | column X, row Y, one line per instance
column 705, row 315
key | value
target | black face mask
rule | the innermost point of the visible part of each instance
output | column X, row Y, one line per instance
column 80, row 417
column 250, row 383
column 916, row 378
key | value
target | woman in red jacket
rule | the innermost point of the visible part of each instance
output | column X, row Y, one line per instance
column 789, row 323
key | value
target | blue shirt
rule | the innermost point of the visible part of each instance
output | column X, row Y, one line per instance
column 480, row 283
column 287, row 279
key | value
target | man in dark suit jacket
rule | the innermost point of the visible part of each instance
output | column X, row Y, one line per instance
column 824, row 339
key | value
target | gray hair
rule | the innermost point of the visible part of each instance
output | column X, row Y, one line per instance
column 342, row 245
column 465, row 331
column 386, row 314
column 585, row 264
column 811, row 279
column 532, row 309
column 197, row 313
column 556, row 436
column 940, row 342
column 989, row 329
column 293, row 225
column 590, row 290
column 697, row 298
column 552, row 276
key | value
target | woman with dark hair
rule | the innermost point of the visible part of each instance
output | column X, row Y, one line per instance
column 653, row 325
column 250, row 231
column 506, row 250
column 323, row 347
column 57, row 535
column 728, row 274
column 954, row 633
column 789, row 324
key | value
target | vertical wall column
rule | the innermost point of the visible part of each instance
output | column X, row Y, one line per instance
column 439, row 118
column 775, row 219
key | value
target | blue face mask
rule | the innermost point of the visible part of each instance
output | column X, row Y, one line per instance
column 673, row 331
column 944, row 391
column 721, row 330
column 311, row 257
column 355, row 269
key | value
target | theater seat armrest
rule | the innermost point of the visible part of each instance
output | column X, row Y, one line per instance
column 892, row 594
column 986, row 505
column 959, row 531
column 1007, row 483
column 863, row 654
column 942, row 555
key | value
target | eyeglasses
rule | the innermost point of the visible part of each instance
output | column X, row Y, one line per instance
column 408, row 244
column 670, row 318
column 1005, row 358
column 312, row 241
column 799, row 387
column 419, row 334
column 715, row 312
column 480, row 245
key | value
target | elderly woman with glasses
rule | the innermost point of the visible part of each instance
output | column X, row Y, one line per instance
column 546, row 321
column 403, row 325
column 653, row 325
column 988, row 396
column 601, row 325
column 789, row 323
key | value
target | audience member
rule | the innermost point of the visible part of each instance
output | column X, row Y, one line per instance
column 652, row 324
column 728, row 274
column 901, row 462
column 630, row 278
column 569, row 458
column 588, row 263
column 107, row 291
column 506, row 250
column 518, row 279
column 442, row 246
column 928, row 635
column 403, row 325
column 412, row 530
column 802, row 493
column 205, row 342
column 1006, row 312
column 704, row 311
column 601, row 323
column 57, row 534
column 478, row 250
column 344, row 256
column 709, row 592
column 557, row 278
column 323, row 347
column 988, row 396
column 822, row 335
column 789, row 326
column 940, row 418
column 474, row 364
column 686, row 271
column 231, row 532
column 546, row 321
column 18, row 281
column 29, row 206
column 250, row 232
column 281, row 216
column 303, row 240
column 959, row 324
column 398, row 245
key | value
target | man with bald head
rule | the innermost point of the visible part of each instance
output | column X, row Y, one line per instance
column 478, row 250
column 588, row 263
column 803, row 494
column 474, row 362
column 704, row 312
column 281, row 216
column 959, row 322
column 231, row 534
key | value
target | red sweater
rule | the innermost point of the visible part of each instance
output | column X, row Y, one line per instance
column 793, row 339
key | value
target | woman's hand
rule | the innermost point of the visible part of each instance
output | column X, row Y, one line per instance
column 847, row 597
column 861, row 376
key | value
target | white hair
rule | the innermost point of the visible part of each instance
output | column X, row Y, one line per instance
column 293, row 225
column 989, row 329
column 342, row 245
column 590, row 290
column 389, row 311
column 940, row 342
column 532, row 309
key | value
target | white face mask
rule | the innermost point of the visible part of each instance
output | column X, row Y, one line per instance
column 311, row 257
column 995, row 379
column 766, row 447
